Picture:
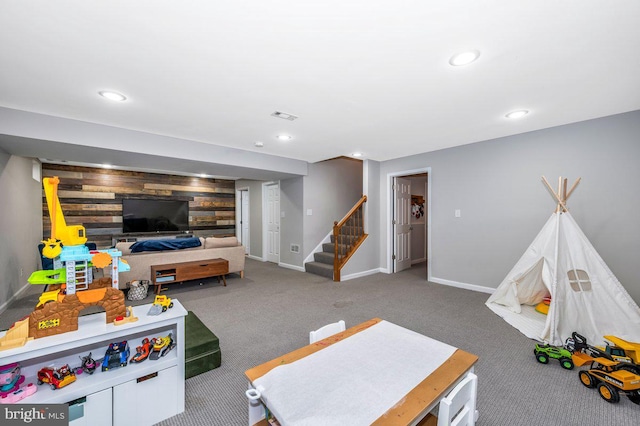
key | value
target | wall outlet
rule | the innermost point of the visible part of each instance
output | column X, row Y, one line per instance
column 21, row 272
column 294, row 248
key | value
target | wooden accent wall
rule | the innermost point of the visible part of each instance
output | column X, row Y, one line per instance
column 93, row 197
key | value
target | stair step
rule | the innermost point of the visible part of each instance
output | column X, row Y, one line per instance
column 324, row 257
column 330, row 247
column 318, row 268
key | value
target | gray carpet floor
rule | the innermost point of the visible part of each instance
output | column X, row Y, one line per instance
column 271, row 311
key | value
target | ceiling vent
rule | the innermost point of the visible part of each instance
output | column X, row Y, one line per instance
column 284, row 115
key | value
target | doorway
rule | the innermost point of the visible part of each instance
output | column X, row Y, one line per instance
column 242, row 213
column 409, row 211
column 271, row 222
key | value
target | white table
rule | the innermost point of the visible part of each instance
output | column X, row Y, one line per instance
column 373, row 373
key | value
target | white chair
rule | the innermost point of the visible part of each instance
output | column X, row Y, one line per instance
column 459, row 407
column 326, row 331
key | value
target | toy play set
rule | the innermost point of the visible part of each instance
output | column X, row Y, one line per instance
column 71, row 287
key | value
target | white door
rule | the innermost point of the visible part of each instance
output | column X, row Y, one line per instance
column 401, row 224
column 244, row 219
column 273, row 222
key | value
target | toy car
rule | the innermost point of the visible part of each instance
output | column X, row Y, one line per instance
column 544, row 352
column 57, row 379
column 143, row 351
column 163, row 301
column 162, row 346
column 611, row 378
column 117, row 355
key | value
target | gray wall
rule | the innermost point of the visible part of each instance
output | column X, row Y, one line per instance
column 331, row 188
column 291, row 221
column 20, row 224
column 365, row 260
column 497, row 186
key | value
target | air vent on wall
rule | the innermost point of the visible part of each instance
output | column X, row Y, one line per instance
column 284, row 115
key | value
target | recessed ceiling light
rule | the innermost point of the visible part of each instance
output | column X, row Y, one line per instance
column 112, row 96
column 464, row 58
column 107, row 166
column 202, row 175
column 357, row 154
column 517, row 114
column 259, row 144
column 284, row 137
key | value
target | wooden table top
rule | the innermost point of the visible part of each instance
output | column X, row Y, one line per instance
column 408, row 409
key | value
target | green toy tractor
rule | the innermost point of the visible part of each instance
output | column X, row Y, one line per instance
column 544, row 352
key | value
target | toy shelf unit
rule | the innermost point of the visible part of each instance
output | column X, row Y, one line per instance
column 185, row 271
column 112, row 397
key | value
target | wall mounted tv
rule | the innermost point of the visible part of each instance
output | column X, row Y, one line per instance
column 140, row 215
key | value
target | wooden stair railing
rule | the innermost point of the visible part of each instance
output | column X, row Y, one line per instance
column 348, row 235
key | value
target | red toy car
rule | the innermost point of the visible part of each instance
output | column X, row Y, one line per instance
column 143, row 351
column 57, row 379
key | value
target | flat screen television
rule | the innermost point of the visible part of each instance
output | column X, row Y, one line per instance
column 140, row 215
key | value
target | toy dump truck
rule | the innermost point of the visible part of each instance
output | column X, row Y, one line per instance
column 619, row 351
column 611, row 378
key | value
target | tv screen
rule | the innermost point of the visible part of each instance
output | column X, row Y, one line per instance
column 154, row 215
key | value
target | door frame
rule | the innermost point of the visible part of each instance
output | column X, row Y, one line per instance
column 239, row 218
column 390, row 215
column 265, row 224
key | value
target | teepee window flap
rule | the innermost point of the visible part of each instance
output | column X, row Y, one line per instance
column 579, row 280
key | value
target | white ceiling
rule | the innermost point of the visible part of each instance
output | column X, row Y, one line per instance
column 366, row 75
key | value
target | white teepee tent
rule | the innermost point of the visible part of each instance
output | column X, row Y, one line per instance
column 585, row 295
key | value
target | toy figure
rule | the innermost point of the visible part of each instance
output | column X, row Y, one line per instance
column 88, row 365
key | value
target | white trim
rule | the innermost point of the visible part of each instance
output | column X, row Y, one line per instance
column 318, row 248
column 239, row 190
column 17, row 294
column 259, row 259
column 390, row 236
column 424, row 259
column 264, row 218
column 473, row 287
column 294, row 267
column 359, row 274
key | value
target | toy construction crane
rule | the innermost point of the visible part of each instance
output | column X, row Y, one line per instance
column 73, row 262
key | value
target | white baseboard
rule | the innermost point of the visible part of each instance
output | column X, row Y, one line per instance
column 424, row 259
column 294, row 267
column 17, row 294
column 473, row 287
column 359, row 274
column 259, row 259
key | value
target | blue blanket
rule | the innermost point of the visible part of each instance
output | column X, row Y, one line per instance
column 159, row 245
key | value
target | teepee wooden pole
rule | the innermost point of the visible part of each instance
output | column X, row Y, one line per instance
column 556, row 196
column 572, row 188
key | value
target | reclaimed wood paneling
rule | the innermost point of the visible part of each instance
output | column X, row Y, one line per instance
column 93, row 198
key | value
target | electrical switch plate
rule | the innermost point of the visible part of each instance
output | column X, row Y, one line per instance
column 457, row 213
column 282, row 213
column 309, row 212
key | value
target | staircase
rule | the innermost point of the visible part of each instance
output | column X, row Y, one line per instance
column 348, row 235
